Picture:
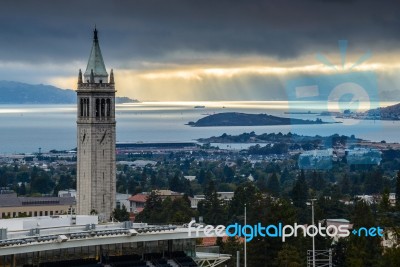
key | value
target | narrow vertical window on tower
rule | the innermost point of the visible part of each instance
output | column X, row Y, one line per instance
column 103, row 107
column 84, row 107
column 88, row 108
column 97, row 108
column 108, row 108
column 81, row 107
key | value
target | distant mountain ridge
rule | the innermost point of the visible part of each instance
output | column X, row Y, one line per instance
column 22, row 93
column 387, row 113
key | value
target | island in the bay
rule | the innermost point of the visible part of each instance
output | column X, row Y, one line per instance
column 244, row 119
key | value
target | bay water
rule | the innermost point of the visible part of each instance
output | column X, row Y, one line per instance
column 26, row 128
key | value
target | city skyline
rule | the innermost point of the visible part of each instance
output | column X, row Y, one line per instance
column 189, row 50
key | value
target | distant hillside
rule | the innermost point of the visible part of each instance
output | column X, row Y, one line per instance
column 23, row 93
column 387, row 113
column 243, row 119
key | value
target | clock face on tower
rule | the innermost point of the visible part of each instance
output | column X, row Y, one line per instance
column 104, row 136
column 84, row 136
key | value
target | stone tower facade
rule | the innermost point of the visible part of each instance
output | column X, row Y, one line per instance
column 96, row 175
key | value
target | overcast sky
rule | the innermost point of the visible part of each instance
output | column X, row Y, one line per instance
column 197, row 49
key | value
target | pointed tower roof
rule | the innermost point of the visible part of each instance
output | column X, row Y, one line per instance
column 95, row 62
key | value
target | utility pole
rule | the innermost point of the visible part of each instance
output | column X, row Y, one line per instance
column 313, row 238
column 245, row 242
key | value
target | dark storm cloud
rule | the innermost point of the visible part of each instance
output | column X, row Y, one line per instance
column 150, row 30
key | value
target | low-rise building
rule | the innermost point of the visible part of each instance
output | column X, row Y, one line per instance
column 12, row 206
column 122, row 200
column 67, row 193
column 225, row 196
column 137, row 202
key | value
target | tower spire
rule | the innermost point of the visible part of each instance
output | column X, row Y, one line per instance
column 80, row 77
column 91, row 76
column 96, row 62
column 95, row 38
column 112, row 76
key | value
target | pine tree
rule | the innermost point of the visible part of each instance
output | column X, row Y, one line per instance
column 202, row 176
column 300, row 191
column 363, row 251
column 22, row 189
column 121, row 214
column 152, row 212
column 212, row 208
column 345, row 185
column 247, row 194
column 231, row 246
column 384, row 204
column 273, row 185
column 288, row 256
column 285, row 176
column 398, row 190
column 263, row 251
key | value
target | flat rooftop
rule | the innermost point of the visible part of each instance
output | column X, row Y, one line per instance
column 12, row 200
column 24, row 235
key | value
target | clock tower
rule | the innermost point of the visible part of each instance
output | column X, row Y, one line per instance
column 96, row 180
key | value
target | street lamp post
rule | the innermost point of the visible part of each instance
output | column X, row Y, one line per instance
column 245, row 246
column 313, row 238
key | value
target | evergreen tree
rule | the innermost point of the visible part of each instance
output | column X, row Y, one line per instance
column 180, row 211
column 339, row 252
column 247, row 194
column 41, row 182
column 285, row 176
column 273, row 185
column 212, row 208
column 22, row 190
column 363, row 251
column 398, row 190
column 314, row 180
column 152, row 212
column 391, row 257
column 345, row 185
column 65, row 182
column 202, row 176
column 288, row 256
column 175, row 183
column 384, row 204
column 231, row 246
column 373, row 182
column 262, row 182
column 229, row 174
column 300, row 191
column 263, row 251
column 121, row 214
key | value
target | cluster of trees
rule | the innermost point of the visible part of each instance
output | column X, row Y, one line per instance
column 275, row 177
column 27, row 180
column 156, row 210
column 166, row 176
column 293, row 141
column 278, row 148
column 289, row 209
